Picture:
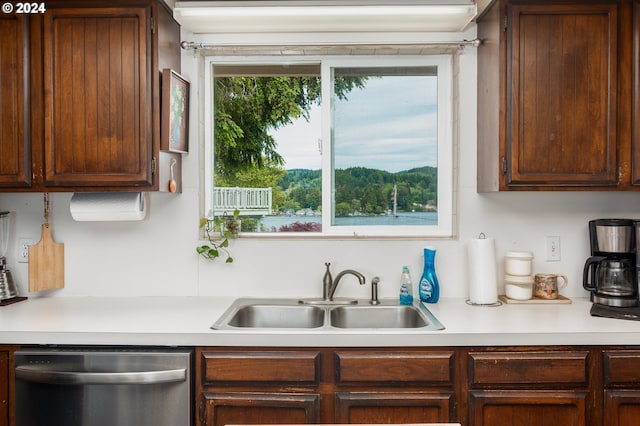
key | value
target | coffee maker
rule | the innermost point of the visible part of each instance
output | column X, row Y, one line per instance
column 610, row 273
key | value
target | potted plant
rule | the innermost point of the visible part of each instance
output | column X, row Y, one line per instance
column 218, row 231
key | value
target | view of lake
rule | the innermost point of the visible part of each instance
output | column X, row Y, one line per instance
column 418, row 218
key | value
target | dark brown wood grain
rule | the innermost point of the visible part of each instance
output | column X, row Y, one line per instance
column 557, row 83
column 97, row 99
column 15, row 160
column 87, row 109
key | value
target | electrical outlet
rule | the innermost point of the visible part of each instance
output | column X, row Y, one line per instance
column 552, row 249
column 23, row 249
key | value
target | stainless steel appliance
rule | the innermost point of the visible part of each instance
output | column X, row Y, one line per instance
column 610, row 274
column 84, row 387
column 8, row 288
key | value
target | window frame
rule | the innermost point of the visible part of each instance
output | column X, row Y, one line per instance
column 445, row 166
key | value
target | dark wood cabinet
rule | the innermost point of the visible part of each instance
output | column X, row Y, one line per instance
column 257, row 386
column 289, row 386
column 15, row 154
column 6, row 385
column 97, row 102
column 506, row 386
column 394, row 386
column 543, row 388
column 94, row 86
column 553, row 96
column 531, row 407
column 621, row 387
column 635, row 92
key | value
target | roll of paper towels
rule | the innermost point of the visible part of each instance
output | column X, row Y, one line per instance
column 483, row 280
column 108, row 206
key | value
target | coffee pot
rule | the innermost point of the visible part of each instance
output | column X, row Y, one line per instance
column 610, row 273
column 8, row 288
column 614, row 277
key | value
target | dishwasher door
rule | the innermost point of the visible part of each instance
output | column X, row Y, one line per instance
column 103, row 387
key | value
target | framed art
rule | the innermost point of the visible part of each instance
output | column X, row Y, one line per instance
column 174, row 130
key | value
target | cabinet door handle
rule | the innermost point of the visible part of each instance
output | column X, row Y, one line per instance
column 38, row 374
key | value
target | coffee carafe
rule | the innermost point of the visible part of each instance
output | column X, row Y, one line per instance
column 610, row 273
column 7, row 285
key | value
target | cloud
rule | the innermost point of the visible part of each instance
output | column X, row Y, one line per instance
column 390, row 125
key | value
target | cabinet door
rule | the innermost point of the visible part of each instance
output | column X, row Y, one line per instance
column 239, row 408
column 561, row 95
column 521, row 407
column 15, row 158
column 635, row 121
column 4, row 387
column 622, row 387
column 97, row 97
column 393, row 407
column 621, row 407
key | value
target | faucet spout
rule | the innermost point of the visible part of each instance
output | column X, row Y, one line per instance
column 334, row 285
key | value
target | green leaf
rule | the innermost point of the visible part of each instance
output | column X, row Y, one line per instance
column 229, row 260
column 224, row 243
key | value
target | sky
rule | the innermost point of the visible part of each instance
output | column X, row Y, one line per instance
column 396, row 112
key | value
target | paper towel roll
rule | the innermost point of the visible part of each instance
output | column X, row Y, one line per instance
column 107, row 206
column 483, row 280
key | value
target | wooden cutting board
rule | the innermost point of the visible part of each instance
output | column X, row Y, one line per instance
column 46, row 263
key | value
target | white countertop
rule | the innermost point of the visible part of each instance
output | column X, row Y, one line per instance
column 186, row 321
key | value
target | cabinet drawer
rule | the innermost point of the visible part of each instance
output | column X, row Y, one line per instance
column 394, row 367
column 621, row 367
column 527, row 368
column 272, row 367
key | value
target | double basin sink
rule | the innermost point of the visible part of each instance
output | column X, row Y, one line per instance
column 314, row 314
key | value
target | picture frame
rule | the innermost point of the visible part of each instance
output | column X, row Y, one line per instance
column 174, row 128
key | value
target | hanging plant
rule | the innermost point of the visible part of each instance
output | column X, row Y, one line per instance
column 218, row 231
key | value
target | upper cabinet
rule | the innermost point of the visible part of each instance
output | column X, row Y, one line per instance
column 635, row 92
column 95, row 94
column 554, row 111
column 15, row 158
column 97, row 97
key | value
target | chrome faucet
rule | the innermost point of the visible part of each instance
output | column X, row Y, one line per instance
column 329, row 285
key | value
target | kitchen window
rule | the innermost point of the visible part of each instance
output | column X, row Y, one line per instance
column 331, row 146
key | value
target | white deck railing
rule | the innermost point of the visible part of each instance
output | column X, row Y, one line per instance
column 249, row 201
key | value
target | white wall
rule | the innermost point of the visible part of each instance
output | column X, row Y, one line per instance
column 157, row 256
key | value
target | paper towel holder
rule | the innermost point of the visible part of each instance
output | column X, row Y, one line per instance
column 108, row 206
column 482, row 236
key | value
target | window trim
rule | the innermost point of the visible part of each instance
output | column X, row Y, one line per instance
column 446, row 190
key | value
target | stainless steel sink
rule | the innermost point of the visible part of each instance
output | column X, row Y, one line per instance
column 277, row 316
column 250, row 314
column 399, row 316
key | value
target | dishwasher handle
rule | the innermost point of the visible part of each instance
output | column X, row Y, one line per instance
column 38, row 374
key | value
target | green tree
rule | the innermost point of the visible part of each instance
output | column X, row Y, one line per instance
column 247, row 108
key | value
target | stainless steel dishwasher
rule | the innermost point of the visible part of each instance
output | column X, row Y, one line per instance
column 106, row 387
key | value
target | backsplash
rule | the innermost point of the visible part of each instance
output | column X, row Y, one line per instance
column 156, row 257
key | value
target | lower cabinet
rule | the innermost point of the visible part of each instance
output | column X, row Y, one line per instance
column 280, row 386
column 393, row 386
column 528, row 407
column 475, row 386
column 519, row 387
column 621, row 387
column 242, row 408
column 6, row 385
